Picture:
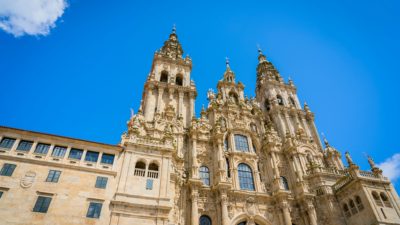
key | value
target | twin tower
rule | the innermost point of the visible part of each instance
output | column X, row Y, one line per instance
column 243, row 161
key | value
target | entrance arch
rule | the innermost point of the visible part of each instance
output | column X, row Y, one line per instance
column 244, row 219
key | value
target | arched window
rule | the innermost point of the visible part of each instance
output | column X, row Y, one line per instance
column 164, row 76
column 241, row 143
column 140, row 169
column 385, row 200
column 280, row 99
column 179, row 80
column 378, row 201
column 346, row 210
column 267, row 105
column 228, row 168
column 359, row 203
column 234, row 97
column 242, row 223
column 353, row 207
column 246, row 180
column 284, row 183
column 205, row 220
column 205, row 175
column 291, row 100
column 153, row 171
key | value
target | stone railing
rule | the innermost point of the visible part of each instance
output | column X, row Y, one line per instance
column 140, row 172
column 368, row 174
column 152, row 174
column 342, row 182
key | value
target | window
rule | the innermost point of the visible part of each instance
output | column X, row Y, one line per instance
column 346, row 210
column 59, row 151
column 284, row 183
column 42, row 148
column 140, row 169
column 226, row 144
column 1, row 194
column 353, row 207
column 91, row 156
column 377, row 199
column 101, row 182
column 241, row 143
column 7, row 143
column 153, row 171
column 205, row 175
column 149, row 184
column 179, row 80
column 205, row 220
column 280, row 99
column 53, row 176
column 75, row 153
column 267, row 105
column 94, row 210
column 7, row 170
column 228, row 168
column 107, row 158
column 385, row 200
column 243, row 223
column 245, row 177
column 24, row 145
column 164, row 76
column 292, row 101
column 359, row 203
column 42, row 204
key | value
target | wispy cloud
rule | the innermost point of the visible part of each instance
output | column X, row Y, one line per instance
column 391, row 167
column 30, row 17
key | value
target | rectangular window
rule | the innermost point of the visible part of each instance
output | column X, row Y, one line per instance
column 101, row 182
column 59, row 151
column 149, row 184
column 42, row 204
column 91, row 156
column 53, row 176
column 7, row 143
column 1, row 194
column 75, row 153
column 107, row 158
column 241, row 143
column 94, row 210
column 42, row 148
column 24, row 145
column 7, row 170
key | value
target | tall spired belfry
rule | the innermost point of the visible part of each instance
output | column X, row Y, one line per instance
column 243, row 161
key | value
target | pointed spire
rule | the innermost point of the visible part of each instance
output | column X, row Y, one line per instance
column 371, row 162
column 325, row 140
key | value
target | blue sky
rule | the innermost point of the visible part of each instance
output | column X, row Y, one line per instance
column 79, row 72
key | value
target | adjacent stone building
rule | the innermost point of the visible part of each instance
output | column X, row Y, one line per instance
column 243, row 161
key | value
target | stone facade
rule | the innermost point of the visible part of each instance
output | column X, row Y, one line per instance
column 243, row 161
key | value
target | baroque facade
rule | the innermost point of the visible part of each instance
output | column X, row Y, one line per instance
column 243, row 161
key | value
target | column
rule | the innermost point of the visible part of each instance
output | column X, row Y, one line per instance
column 224, row 209
column 195, row 210
column 180, row 104
column 221, row 161
column 148, row 109
column 194, row 159
column 159, row 99
column 311, row 214
column 286, row 214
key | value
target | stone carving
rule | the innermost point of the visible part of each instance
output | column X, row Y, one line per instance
column 28, row 179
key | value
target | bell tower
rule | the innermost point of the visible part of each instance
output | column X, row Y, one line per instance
column 169, row 83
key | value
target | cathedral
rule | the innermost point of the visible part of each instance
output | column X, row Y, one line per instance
column 243, row 161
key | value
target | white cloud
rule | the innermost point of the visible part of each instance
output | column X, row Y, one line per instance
column 391, row 167
column 30, row 17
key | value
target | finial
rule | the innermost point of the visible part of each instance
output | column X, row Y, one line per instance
column 325, row 140
column 371, row 162
column 227, row 62
column 174, row 29
column 259, row 49
column 349, row 159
